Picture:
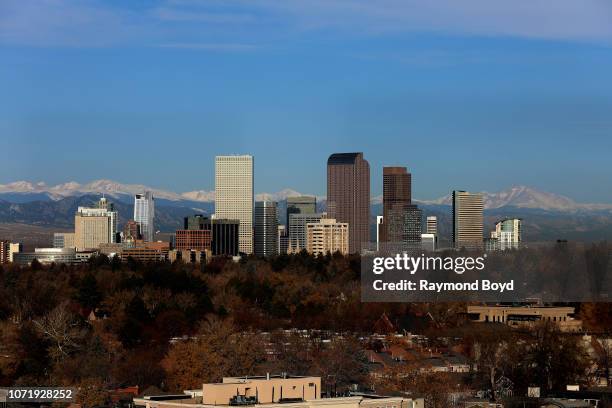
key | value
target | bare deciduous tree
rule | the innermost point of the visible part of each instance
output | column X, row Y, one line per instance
column 61, row 327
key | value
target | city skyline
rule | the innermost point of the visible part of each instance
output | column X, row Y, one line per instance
column 528, row 103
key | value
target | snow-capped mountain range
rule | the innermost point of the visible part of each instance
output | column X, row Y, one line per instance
column 526, row 197
column 517, row 196
column 116, row 189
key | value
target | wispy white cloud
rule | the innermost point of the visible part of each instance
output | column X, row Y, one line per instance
column 96, row 23
column 212, row 46
column 174, row 14
column 66, row 23
column 543, row 19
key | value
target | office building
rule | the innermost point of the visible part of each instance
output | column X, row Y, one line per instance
column 348, row 195
column 196, row 240
column 144, row 215
column 63, row 240
column 138, row 250
column 428, row 242
column 144, row 251
column 53, row 255
column 396, row 196
column 432, row 225
column 234, row 195
column 301, row 205
column 266, row 228
column 297, row 230
column 224, row 233
column 225, row 237
column 196, row 222
column 411, row 228
column 327, row 236
column 14, row 248
column 283, row 239
column 95, row 226
column 115, row 249
column 131, row 231
column 467, row 220
column 144, row 254
column 507, row 234
column 196, row 234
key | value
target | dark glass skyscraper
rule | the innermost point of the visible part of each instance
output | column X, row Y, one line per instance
column 411, row 231
column 397, row 194
column 348, row 195
column 266, row 228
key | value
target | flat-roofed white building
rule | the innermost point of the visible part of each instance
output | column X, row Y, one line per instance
column 271, row 392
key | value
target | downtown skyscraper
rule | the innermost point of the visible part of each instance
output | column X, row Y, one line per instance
column 266, row 228
column 144, row 215
column 95, row 226
column 348, row 196
column 397, row 196
column 467, row 220
column 234, row 195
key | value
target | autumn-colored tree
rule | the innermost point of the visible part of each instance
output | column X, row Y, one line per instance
column 293, row 352
column 216, row 351
column 342, row 363
column 9, row 351
column 92, row 393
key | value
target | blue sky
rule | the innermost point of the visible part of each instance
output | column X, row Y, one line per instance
column 476, row 95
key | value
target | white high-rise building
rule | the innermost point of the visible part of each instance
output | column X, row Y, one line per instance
column 144, row 215
column 507, row 234
column 234, row 195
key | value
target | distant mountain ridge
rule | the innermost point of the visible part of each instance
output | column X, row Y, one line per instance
column 527, row 197
column 516, row 196
column 116, row 189
column 36, row 209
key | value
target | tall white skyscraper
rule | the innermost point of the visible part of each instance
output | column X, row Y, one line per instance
column 144, row 215
column 234, row 195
